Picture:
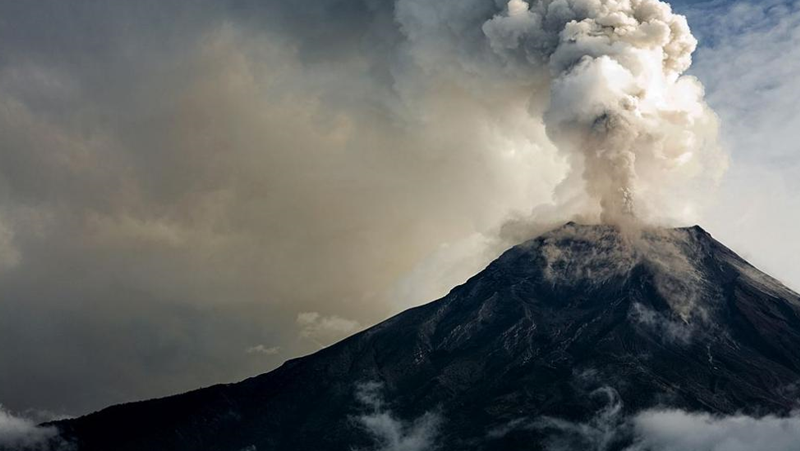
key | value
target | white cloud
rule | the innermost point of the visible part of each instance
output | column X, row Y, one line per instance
column 22, row 434
column 266, row 350
column 673, row 430
column 389, row 432
column 676, row 430
column 661, row 429
column 600, row 433
column 749, row 60
column 325, row 329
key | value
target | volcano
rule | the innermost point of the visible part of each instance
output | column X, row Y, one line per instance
column 560, row 327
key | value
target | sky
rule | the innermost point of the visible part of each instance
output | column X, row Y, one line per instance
column 193, row 192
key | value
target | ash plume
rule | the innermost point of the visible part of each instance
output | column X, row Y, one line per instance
column 619, row 101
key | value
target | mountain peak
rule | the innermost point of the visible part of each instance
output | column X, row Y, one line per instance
column 588, row 258
column 656, row 317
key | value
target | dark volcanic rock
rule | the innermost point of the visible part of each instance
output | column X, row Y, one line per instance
column 660, row 318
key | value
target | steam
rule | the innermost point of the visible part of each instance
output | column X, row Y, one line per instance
column 618, row 99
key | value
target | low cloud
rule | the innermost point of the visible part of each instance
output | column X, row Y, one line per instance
column 605, row 430
column 22, row 434
column 266, row 350
column 660, row 429
column 676, row 430
column 390, row 433
column 324, row 330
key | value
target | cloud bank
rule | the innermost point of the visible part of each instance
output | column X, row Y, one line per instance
column 675, row 430
column 660, row 429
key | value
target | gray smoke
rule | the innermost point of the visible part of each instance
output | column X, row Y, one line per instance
column 617, row 96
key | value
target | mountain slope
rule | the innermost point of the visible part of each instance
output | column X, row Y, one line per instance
column 555, row 327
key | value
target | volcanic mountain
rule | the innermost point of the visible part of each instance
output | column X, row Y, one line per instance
column 559, row 327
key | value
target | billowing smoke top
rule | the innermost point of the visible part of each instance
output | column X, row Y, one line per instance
column 617, row 94
column 606, row 80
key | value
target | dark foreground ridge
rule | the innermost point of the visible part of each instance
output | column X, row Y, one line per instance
column 664, row 318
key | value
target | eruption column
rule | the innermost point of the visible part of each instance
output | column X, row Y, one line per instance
column 619, row 101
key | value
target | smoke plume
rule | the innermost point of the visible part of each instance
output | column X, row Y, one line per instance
column 618, row 99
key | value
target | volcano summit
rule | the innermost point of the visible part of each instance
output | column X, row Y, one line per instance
column 553, row 344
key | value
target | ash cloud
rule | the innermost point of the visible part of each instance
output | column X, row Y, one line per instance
column 617, row 96
column 189, row 177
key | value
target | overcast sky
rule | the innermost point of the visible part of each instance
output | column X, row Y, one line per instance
column 193, row 192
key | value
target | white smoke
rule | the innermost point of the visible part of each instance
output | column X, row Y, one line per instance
column 674, row 430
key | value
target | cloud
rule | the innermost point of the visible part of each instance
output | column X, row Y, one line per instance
column 748, row 62
column 261, row 349
column 602, row 432
column 324, row 329
column 22, row 434
column 660, row 429
column 676, row 430
column 389, row 432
